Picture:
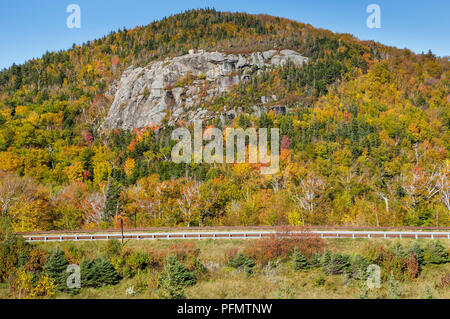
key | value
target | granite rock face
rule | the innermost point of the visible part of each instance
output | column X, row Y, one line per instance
column 175, row 88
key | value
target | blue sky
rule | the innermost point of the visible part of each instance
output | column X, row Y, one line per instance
column 28, row 28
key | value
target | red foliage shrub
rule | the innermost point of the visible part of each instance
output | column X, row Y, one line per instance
column 183, row 250
column 229, row 254
column 412, row 265
column 156, row 258
column 187, row 253
column 396, row 265
column 285, row 142
column 376, row 253
column 87, row 136
column 36, row 260
column 282, row 243
column 445, row 281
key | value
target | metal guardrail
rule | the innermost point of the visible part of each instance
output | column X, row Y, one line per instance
column 235, row 228
column 236, row 235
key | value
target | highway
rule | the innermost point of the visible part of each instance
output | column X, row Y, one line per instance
column 196, row 235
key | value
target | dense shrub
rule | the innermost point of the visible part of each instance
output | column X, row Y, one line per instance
column 319, row 281
column 135, row 262
column 113, row 248
column 187, row 252
column 118, row 262
column 375, row 253
column 397, row 250
column 229, row 254
column 183, row 251
column 395, row 266
column 129, row 262
column 73, row 253
column 13, row 249
column 197, row 267
column 138, row 260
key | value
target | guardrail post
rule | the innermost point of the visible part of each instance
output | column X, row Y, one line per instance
column 432, row 236
column 368, row 235
column 385, row 236
column 353, row 235
column 400, row 236
column 45, row 238
column 60, row 238
column 416, row 236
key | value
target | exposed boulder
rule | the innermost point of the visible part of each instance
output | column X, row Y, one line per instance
column 171, row 88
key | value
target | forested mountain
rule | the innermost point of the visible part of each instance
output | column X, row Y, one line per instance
column 365, row 141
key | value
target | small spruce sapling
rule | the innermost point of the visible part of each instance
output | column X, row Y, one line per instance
column 299, row 261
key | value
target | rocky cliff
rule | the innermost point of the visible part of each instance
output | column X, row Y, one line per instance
column 175, row 88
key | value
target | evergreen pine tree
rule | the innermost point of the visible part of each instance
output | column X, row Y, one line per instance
column 112, row 201
column 436, row 253
column 240, row 261
column 299, row 261
column 315, row 260
column 176, row 278
column 55, row 267
column 98, row 272
column 108, row 275
column 89, row 277
column 418, row 251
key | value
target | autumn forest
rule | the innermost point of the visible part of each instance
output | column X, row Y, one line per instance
column 366, row 141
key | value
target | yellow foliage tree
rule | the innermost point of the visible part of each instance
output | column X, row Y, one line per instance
column 9, row 162
column 44, row 288
column 75, row 172
column 102, row 164
column 129, row 166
